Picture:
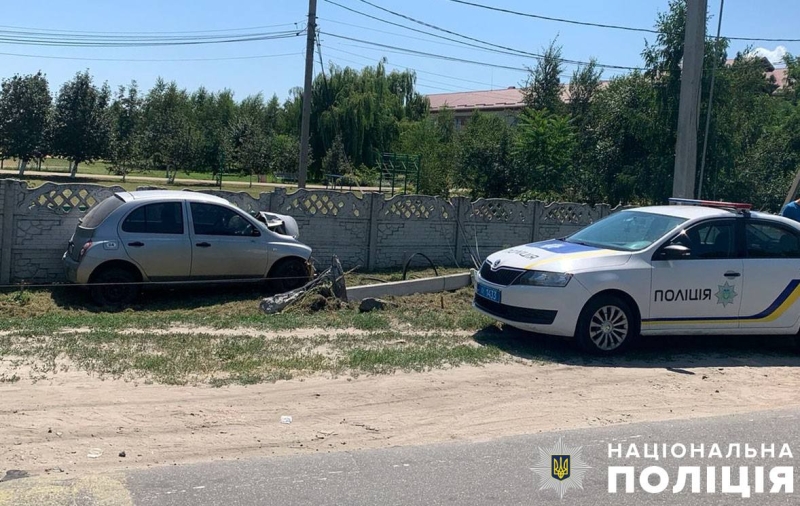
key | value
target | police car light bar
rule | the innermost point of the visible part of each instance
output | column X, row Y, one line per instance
column 711, row 203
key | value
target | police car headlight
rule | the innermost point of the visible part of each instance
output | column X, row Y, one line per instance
column 543, row 278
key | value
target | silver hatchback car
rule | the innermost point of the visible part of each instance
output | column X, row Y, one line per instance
column 168, row 236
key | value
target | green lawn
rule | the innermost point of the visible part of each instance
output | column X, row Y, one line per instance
column 34, row 182
column 219, row 335
column 101, row 168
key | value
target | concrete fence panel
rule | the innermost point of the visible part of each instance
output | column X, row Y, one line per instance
column 366, row 230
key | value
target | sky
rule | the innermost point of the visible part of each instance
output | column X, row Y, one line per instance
column 276, row 66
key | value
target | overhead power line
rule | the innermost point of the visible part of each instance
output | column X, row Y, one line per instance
column 459, row 42
column 559, row 20
column 48, row 31
column 604, row 25
column 414, row 52
column 518, row 52
column 133, row 41
column 400, row 65
column 151, row 60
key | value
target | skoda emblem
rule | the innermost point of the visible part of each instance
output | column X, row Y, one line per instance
column 495, row 265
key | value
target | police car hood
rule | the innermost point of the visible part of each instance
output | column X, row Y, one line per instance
column 557, row 256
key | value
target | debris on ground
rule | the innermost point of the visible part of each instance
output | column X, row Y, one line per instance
column 14, row 474
column 315, row 294
column 286, row 419
column 122, row 454
column 94, row 453
column 372, row 304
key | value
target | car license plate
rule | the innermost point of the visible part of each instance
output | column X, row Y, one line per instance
column 486, row 292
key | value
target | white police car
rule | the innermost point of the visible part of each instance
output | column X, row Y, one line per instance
column 697, row 267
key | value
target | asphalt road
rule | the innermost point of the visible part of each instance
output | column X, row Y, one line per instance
column 493, row 472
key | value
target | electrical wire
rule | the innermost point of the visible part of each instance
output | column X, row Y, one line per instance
column 219, row 30
column 421, row 82
column 604, row 25
column 151, row 60
column 395, row 49
column 400, row 65
column 37, row 41
column 506, row 49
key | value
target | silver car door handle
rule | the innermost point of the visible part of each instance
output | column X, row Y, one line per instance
column 203, row 245
column 732, row 274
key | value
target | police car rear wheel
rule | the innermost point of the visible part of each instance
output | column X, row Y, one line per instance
column 606, row 326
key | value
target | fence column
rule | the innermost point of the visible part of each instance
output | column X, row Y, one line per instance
column 9, row 193
column 536, row 207
column 375, row 201
column 460, row 206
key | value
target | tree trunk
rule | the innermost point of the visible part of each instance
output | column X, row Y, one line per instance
column 74, row 170
column 22, row 165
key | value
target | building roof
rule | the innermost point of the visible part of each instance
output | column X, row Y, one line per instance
column 509, row 98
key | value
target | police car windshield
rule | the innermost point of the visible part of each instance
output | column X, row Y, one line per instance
column 626, row 230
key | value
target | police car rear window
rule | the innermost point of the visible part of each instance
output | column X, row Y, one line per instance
column 627, row 230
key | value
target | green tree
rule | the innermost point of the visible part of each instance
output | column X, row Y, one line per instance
column 627, row 167
column 434, row 140
column 170, row 141
column 583, row 88
column 335, row 160
column 283, row 153
column 126, row 125
column 25, row 103
column 543, row 148
column 485, row 163
column 249, row 146
column 80, row 121
column 364, row 107
column 542, row 91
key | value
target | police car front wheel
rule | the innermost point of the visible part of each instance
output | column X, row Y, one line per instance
column 606, row 326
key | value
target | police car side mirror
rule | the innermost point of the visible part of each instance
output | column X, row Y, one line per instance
column 673, row 252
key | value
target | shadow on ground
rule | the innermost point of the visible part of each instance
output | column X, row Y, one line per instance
column 675, row 353
column 184, row 298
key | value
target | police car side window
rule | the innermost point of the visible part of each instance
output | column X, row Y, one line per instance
column 711, row 240
column 765, row 240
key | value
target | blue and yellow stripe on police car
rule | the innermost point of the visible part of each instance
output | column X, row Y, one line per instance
column 571, row 256
column 779, row 306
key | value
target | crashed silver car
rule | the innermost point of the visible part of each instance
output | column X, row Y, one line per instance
column 136, row 238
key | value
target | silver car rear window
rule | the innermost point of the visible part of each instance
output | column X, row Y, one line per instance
column 100, row 212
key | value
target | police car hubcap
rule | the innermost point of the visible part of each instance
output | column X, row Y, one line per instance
column 608, row 327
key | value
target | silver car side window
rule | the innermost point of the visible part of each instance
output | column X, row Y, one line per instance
column 211, row 219
column 160, row 218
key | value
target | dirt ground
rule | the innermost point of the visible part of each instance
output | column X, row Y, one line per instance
column 53, row 426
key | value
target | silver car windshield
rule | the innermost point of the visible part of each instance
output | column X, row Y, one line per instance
column 626, row 230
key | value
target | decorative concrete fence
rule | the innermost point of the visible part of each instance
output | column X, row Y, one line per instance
column 370, row 231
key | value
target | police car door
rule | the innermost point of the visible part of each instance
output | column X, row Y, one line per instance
column 697, row 289
column 772, row 271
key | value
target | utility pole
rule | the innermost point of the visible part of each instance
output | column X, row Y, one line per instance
column 305, row 125
column 689, row 106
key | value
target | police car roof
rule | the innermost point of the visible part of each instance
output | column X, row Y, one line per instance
column 688, row 212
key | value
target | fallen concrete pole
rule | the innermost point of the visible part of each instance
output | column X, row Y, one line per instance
column 410, row 287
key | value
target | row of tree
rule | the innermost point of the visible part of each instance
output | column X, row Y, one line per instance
column 609, row 141
column 167, row 129
column 614, row 141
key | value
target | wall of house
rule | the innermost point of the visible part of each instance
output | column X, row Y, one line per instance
column 370, row 231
